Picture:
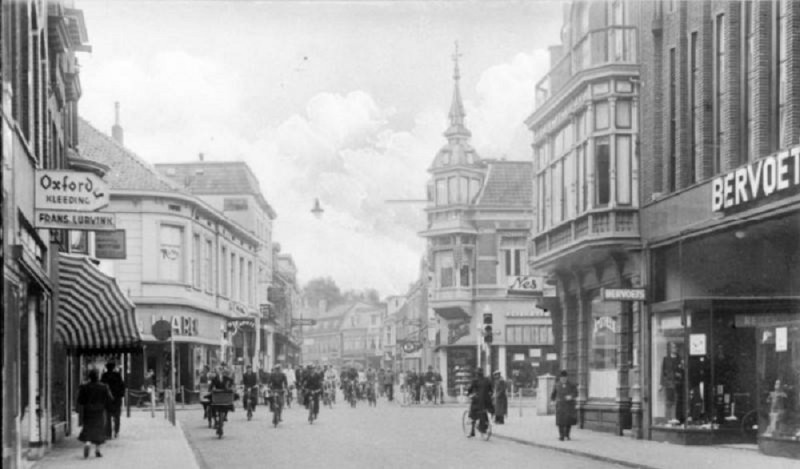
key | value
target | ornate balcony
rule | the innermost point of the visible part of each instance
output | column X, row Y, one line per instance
column 603, row 227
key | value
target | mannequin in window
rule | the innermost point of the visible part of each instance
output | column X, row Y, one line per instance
column 777, row 408
column 672, row 382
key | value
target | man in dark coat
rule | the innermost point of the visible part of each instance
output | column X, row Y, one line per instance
column 388, row 384
column 500, row 398
column 94, row 398
column 113, row 379
column 564, row 395
column 481, row 404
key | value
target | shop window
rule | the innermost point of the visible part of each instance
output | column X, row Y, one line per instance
column 603, row 349
column 779, row 381
column 668, row 369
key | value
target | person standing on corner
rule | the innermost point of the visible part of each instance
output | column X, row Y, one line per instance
column 94, row 398
column 113, row 379
column 501, row 398
column 564, row 395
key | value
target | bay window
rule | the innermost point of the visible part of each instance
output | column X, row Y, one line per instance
column 623, row 155
column 602, row 154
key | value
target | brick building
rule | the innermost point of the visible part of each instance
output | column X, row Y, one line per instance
column 720, row 220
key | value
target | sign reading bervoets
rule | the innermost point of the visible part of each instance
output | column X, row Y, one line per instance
column 759, row 179
column 73, row 191
column 87, row 221
column 623, row 294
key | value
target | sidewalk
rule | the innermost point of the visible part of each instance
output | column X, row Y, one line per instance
column 541, row 431
column 143, row 441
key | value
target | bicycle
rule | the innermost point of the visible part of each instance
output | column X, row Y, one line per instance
column 249, row 400
column 221, row 401
column 313, row 405
column 371, row 395
column 276, row 406
column 483, row 419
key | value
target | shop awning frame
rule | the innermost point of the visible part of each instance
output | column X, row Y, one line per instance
column 93, row 316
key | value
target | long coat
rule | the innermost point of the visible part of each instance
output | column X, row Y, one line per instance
column 500, row 398
column 481, row 389
column 94, row 398
column 565, row 394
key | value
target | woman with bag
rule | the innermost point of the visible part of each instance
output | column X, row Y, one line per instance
column 94, row 398
column 564, row 395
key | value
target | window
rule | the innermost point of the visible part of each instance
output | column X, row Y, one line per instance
column 582, row 179
column 250, row 289
column 544, row 200
column 569, row 185
column 781, row 56
column 558, row 192
column 170, row 259
column 603, row 348
column 242, row 282
column 234, row 287
column 695, row 111
column 474, row 188
column 623, row 151
column 441, row 192
column 602, row 168
column 512, row 257
column 452, row 190
column 719, row 87
column 197, row 266
column 234, row 204
column 530, row 335
column 463, row 190
column 223, row 270
column 208, row 275
column 673, row 122
column 623, row 108
column 444, row 265
column 79, row 242
column 601, row 115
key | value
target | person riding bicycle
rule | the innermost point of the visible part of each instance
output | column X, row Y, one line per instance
column 250, row 383
column 313, row 388
column 219, row 381
column 430, row 384
column 277, row 385
column 480, row 390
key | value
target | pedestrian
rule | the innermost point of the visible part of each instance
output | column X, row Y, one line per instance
column 500, row 398
column 388, row 384
column 113, row 379
column 564, row 395
column 93, row 398
column 480, row 390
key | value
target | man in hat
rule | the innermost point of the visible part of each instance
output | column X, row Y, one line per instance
column 116, row 385
column 564, row 394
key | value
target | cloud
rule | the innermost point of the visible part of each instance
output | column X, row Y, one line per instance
column 341, row 149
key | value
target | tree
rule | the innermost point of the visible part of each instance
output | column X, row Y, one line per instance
column 322, row 288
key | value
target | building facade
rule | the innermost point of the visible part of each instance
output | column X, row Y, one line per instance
column 284, row 299
column 40, row 92
column 479, row 219
column 183, row 261
column 720, row 221
column 586, row 224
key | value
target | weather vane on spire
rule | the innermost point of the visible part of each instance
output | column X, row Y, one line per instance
column 456, row 55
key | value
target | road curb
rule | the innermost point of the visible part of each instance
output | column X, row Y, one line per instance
column 187, row 444
column 575, row 452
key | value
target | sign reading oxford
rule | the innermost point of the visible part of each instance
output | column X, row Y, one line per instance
column 85, row 221
column 73, row 191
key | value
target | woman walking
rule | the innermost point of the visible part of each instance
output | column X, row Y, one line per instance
column 94, row 398
column 564, row 395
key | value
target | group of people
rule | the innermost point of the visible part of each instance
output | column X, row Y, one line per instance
column 100, row 404
column 423, row 386
column 490, row 397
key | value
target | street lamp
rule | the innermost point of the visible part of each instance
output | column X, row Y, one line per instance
column 317, row 209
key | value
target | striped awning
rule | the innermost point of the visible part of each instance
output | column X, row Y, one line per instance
column 93, row 315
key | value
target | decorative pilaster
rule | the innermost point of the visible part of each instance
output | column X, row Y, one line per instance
column 582, row 344
column 623, row 347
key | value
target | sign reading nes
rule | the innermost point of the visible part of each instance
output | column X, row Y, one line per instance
column 761, row 178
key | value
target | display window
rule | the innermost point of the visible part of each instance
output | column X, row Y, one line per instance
column 779, row 381
column 603, row 349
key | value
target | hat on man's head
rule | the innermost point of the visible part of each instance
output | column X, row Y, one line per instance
column 496, row 373
column 111, row 365
column 563, row 373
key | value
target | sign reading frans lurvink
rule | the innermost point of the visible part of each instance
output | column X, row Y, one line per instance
column 757, row 180
column 86, row 221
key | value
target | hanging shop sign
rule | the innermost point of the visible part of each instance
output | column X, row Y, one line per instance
column 78, row 221
column 527, row 285
column 623, row 294
column 457, row 330
column 109, row 244
column 779, row 172
column 411, row 346
column 76, row 191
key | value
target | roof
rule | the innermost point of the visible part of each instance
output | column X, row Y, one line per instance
column 127, row 171
column 509, row 184
column 216, row 178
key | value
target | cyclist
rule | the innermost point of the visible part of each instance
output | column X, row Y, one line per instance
column 250, row 383
column 313, row 387
column 290, row 381
column 430, row 385
column 277, row 386
column 480, row 390
column 330, row 378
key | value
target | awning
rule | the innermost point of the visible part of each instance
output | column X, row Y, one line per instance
column 451, row 312
column 93, row 315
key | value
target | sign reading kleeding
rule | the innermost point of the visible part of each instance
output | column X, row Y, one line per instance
column 73, row 191
column 756, row 180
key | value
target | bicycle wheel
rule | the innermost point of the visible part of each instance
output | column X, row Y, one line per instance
column 750, row 424
column 466, row 424
column 488, row 433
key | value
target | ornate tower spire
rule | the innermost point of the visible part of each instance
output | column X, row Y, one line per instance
column 457, row 129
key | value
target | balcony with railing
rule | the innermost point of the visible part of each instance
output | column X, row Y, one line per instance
column 598, row 48
column 599, row 227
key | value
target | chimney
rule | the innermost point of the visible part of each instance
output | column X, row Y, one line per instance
column 200, row 156
column 116, row 130
column 323, row 306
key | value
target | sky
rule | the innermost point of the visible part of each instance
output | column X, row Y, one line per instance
column 344, row 101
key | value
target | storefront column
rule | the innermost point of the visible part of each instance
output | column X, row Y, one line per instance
column 583, row 338
column 501, row 359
